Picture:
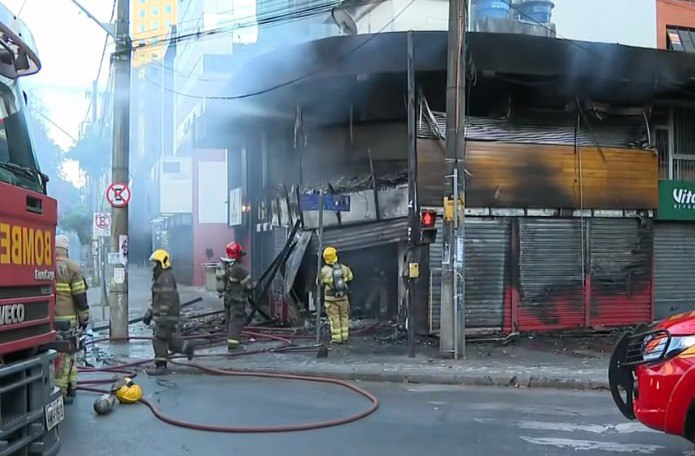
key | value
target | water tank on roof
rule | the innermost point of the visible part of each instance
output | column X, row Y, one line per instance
column 536, row 11
column 491, row 8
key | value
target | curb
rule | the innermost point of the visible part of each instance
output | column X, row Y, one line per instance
column 497, row 380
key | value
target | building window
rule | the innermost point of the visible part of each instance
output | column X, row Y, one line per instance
column 142, row 13
column 155, row 11
column 168, row 9
column 155, row 25
column 680, row 39
column 662, row 150
column 683, row 144
column 168, row 22
column 142, row 28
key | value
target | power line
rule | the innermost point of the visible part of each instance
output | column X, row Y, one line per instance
column 21, row 8
column 238, row 27
column 101, row 63
column 53, row 123
column 291, row 81
column 254, row 20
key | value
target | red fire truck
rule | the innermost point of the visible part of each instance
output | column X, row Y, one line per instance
column 31, row 408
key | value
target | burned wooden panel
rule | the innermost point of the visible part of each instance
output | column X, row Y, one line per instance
column 544, row 176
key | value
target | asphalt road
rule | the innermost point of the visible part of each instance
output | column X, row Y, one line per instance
column 412, row 420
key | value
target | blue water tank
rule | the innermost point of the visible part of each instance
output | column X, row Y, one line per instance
column 539, row 11
column 492, row 8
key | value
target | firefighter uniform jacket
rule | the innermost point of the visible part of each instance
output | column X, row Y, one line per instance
column 238, row 283
column 327, row 280
column 166, row 306
column 71, row 291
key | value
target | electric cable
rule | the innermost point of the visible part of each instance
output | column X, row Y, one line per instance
column 291, row 81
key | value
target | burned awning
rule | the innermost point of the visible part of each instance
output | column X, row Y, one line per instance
column 363, row 236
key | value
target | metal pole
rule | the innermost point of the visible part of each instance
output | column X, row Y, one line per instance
column 454, row 117
column 118, row 297
column 455, row 315
column 318, row 269
column 414, row 220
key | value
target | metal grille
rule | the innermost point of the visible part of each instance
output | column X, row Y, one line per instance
column 674, row 268
column 621, row 271
column 435, row 288
column 487, row 247
column 625, row 132
column 684, row 169
column 551, row 283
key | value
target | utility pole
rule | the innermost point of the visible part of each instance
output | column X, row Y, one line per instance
column 452, row 334
column 118, row 296
column 413, row 206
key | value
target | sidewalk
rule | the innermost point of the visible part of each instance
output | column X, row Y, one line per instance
column 553, row 362
column 523, row 364
column 139, row 295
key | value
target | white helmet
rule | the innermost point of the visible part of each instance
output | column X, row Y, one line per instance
column 62, row 242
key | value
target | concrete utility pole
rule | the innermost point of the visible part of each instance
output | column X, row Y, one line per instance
column 413, row 206
column 118, row 296
column 452, row 334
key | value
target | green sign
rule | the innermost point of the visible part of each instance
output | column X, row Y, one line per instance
column 676, row 200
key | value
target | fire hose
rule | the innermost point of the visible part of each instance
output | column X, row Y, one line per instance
column 128, row 370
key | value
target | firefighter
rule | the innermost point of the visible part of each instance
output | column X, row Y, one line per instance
column 378, row 293
column 234, row 283
column 71, row 306
column 165, row 309
column 335, row 278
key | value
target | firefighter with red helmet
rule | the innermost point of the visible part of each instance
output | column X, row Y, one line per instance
column 234, row 283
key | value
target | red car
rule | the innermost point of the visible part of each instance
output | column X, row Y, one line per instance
column 652, row 375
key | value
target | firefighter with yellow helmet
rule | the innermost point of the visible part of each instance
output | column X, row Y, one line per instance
column 334, row 278
column 165, row 309
column 71, row 307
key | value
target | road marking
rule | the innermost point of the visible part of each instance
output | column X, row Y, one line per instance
column 622, row 428
column 588, row 445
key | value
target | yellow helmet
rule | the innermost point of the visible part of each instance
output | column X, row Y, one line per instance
column 161, row 257
column 129, row 393
column 330, row 255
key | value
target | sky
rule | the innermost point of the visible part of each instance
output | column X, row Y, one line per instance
column 70, row 46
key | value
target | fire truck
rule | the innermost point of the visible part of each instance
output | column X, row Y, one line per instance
column 31, row 407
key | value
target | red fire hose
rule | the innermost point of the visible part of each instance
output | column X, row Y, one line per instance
column 128, row 370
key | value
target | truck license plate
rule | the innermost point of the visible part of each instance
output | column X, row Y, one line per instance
column 55, row 413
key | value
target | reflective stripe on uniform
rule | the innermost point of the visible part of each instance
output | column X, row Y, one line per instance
column 63, row 287
column 78, row 286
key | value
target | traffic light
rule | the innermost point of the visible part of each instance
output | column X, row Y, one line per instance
column 428, row 232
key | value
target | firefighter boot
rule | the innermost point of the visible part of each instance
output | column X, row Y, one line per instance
column 68, row 400
column 72, row 391
column 189, row 350
column 232, row 344
column 160, row 368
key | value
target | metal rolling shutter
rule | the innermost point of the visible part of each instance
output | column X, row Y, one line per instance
column 621, row 271
column 551, row 284
column 487, row 248
column 435, row 289
column 364, row 236
column 674, row 268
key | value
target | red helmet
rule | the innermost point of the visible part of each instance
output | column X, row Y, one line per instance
column 234, row 250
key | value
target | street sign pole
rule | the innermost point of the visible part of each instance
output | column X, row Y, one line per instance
column 118, row 297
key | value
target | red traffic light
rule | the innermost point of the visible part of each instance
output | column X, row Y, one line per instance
column 428, row 219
